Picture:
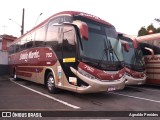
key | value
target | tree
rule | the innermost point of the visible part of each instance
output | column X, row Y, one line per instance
column 151, row 29
column 142, row 31
column 158, row 30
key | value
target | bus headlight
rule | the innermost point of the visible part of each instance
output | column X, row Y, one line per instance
column 86, row 74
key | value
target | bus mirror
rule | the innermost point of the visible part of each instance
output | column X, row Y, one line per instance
column 83, row 27
column 126, row 47
column 84, row 30
column 150, row 50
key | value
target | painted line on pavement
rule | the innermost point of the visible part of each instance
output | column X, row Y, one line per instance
column 53, row 98
column 135, row 97
column 150, row 89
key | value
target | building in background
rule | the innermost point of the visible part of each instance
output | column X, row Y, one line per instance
column 5, row 41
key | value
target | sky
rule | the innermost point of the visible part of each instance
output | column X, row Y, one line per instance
column 128, row 16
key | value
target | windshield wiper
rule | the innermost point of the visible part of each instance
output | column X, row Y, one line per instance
column 109, row 52
column 104, row 53
column 138, row 58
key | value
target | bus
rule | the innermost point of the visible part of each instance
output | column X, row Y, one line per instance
column 150, row 45
column 70, row 50
column 133, row 61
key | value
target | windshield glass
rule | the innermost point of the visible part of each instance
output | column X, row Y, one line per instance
column 134, row 57
column 102, row 43
column 96, row 47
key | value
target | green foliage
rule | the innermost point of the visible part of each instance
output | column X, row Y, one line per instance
column 158, row 30
column 142, row 31
column 149, row 30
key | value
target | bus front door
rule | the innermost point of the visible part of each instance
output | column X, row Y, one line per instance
column 69, row 52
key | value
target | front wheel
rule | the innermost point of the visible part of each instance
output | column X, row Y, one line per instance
column 51, row 84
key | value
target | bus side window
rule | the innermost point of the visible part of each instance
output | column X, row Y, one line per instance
column 69, row 45
column 53, row 40
column 66, row 19
column 52, row 37
column 11, row 49
column 16, row 46
column 40, row 36
column 23, row 43
column 30, row 40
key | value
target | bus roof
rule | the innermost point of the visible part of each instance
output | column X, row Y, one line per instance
column 155, row 36
column 70, row 13
column 129, row 36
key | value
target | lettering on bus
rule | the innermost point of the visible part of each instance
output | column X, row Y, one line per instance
column 49, row 55
column 24, row 56
column 89, row 68
column 30, row 55
column 150, row 58
column 89, row 15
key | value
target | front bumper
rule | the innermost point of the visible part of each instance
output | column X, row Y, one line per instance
column 129, row 80
column 97, row 85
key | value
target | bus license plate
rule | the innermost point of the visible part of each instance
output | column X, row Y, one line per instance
column 111, row 88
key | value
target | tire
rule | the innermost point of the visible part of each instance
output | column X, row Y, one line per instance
column 50, row 83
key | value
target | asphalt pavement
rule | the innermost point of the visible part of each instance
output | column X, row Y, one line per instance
column 25, row 96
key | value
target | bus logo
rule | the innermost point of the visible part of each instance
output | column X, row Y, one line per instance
column 30, row 55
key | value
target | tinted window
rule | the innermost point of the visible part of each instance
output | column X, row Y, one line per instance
column 53, row 39
column 17, row 46
column 52, row 36
column 11, row 49
column 23, row 43
column 69, row 45
column 67, row 19
column 40, row 36
column 30, row 40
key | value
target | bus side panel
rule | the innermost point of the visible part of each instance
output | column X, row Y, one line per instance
column 31, row 62
column 153, row 69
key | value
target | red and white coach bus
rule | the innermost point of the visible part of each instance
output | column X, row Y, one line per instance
column 70, row 50
column 133, row 61
column 151, row 49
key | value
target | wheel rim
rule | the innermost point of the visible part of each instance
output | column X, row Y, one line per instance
column 50, row 83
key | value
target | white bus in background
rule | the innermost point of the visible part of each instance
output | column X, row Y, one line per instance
column 150, row 45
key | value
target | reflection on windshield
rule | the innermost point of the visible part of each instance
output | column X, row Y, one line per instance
column 139, row 57
column 111, row 32
column 133, row 56
column 96, row 47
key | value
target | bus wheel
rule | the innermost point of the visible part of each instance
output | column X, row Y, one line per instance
column 51, row 84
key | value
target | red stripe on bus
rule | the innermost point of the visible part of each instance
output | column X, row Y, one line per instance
column 24, row 74
column 30, row 69
column 153, row 67
column 153, row 73
column 41, row 63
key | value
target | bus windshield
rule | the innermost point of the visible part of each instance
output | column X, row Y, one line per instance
column 134, row 57
column 102, row 45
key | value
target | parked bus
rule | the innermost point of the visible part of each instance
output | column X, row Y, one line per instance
column 133, row 61
column 151, row 49
column 70, row 50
